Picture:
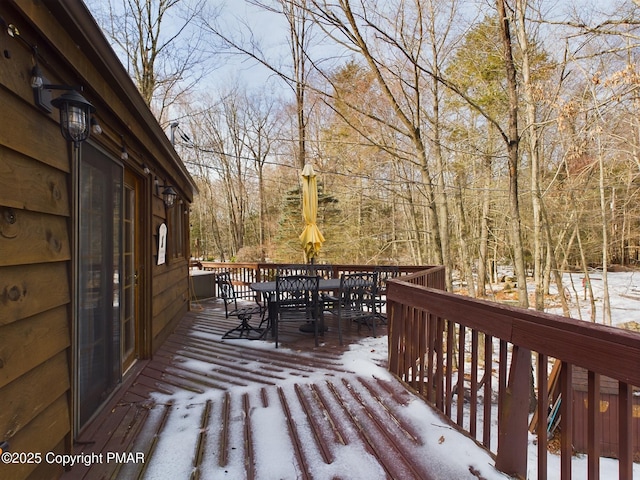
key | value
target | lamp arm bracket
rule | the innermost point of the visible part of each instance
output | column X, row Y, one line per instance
column 48, row 86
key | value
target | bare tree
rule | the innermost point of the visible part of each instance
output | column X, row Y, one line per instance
column 262, row 130
column 160, row 43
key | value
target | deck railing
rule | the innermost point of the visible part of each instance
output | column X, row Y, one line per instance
column 243, row 274
column 472, row 360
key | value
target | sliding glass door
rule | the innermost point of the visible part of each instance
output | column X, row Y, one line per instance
column 99, row 274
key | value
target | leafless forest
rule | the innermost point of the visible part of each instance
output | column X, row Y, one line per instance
column 463, row 133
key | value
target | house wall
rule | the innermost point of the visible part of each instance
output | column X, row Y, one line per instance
column 607, row 418
column 36, row 323
column 170, row 281
column 35, row 254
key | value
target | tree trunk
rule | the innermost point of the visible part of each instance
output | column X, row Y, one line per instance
column 512, row 141
column 483, row 250
column 606, row 307
column 534, row 154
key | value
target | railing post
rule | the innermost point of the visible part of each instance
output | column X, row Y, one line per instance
column 513, row 421
column 393, row 319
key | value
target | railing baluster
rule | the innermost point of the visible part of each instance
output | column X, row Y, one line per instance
column 421, row 353
column 566, row 420
column 439, row 374
column 449, row 381
column 502, row 376
column 593, row 425
column 487, row 392
column 543, row 412
column 409, row 359
column 461, row 363
column 625, row 455
column 473, row 402
column 431, row 347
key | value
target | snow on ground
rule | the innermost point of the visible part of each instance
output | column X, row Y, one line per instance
column 455, row 452
column 624, row 296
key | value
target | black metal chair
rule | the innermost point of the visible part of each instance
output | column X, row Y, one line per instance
column 297, row 301
column 232, row 308
column 385, row 272
column 355, row 301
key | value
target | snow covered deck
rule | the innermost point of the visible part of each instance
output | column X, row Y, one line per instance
column 212, row 409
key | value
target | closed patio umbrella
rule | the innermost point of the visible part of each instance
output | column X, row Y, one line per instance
column 311, row 237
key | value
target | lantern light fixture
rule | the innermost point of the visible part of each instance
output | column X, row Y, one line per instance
column 75, row 110
column 169, row 195
column 75, row 114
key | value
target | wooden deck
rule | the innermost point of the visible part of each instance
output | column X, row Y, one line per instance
column 198, row 409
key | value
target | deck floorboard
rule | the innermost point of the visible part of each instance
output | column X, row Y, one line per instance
column 229, row 402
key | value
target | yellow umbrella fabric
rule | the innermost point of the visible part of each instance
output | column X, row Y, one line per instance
column 311, row 237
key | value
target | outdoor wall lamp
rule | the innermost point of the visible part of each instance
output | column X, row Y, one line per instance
column 169, row 195
column 75, row 110
column 95, row 126
column 123, row 150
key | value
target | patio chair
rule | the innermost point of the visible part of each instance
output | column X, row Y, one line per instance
column 385, row 272
column 232, row 308
column 355, row 301
column 297, row 301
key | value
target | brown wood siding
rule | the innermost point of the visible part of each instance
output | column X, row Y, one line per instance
column 51, row 427
column 35, row 252
column 170, row 299
column 170, row 286
column 32, row 186
column 35, row 218
column 608, row 416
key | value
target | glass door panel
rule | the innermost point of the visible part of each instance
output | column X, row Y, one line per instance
column 99, row 286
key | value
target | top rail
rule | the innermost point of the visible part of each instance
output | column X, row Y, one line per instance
column 245, row 273
column 450, row 347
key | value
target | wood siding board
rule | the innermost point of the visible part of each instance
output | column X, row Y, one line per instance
column 32, row 133
column 32, row 185
column 29, row 237
column 31, row 289
column 167, row 318
column 32, row 341
column 48, row 471
column 170, row 300
column 28, row 396
column 164, row 299
column 42, row 434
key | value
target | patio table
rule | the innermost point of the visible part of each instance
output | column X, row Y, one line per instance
column 268, row 289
